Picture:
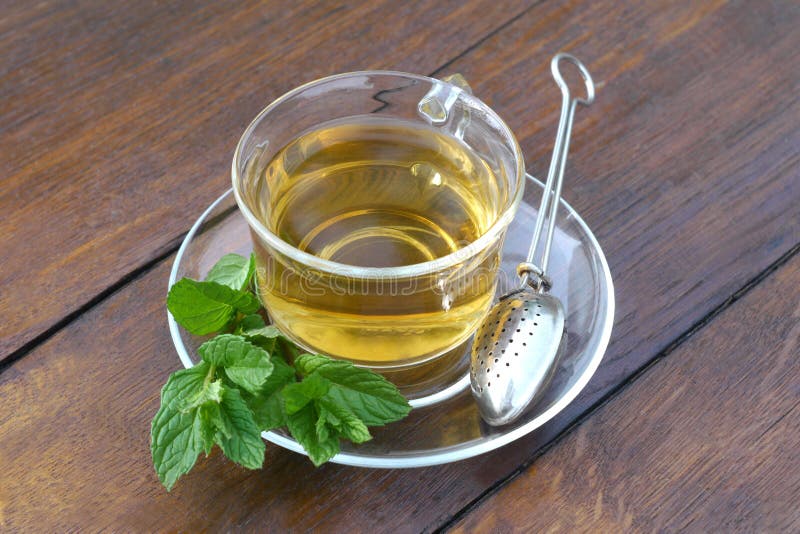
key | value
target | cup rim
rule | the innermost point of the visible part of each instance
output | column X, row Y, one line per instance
column 363, row 272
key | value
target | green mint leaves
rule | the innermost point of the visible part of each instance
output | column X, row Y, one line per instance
column 233, row 271
column 176, row 435
column 372, row 398
column 199, row 410
column 251, row 379
column 242, row 443
column 206, row 307
column 245, row 364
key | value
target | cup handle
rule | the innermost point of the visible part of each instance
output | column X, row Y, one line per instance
column 459, row 81
column 437, row 104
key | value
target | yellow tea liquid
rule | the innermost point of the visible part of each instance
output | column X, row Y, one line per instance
column 373, row 192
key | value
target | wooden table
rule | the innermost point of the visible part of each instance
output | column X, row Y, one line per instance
column 118, row 124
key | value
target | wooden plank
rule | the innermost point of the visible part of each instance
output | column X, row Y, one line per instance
column 118, row 120
column 704, row 441
column 679, row 245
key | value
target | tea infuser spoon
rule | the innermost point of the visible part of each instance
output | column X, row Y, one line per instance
column 515, row 349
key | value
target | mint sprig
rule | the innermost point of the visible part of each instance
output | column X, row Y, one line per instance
column 252, row 378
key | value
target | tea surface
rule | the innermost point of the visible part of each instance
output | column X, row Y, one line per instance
column 378, row 193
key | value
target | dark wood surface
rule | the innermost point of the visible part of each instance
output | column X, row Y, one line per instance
column 684, row 446
column 117, row 128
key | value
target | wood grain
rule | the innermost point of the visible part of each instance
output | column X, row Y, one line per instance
column 691, row 187
column 118, row 120
column 704, row 441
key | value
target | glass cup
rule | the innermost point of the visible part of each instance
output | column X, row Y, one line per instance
column 408, row 183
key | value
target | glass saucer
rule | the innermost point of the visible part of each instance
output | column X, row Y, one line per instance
column 444, row 425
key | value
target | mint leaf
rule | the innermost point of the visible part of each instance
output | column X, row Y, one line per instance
column 208, row 393
column 302, row 426
column 268, row 411
column 184, row 383
column 297, row 395
column 175, row 443
column 206, row 307
column 282, row 374
column 267, row 344
column 244, row 364
column 211, row 422
column 268, row 332
column 267, row 405
column 324, row 431
column 257, row 332
column 176, row 433
column 243, row 444
column 368, row 395
column 233, row 270
column 251, row 322
column 343, row 420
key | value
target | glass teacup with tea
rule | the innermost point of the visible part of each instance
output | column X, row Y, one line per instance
column 378, row 203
